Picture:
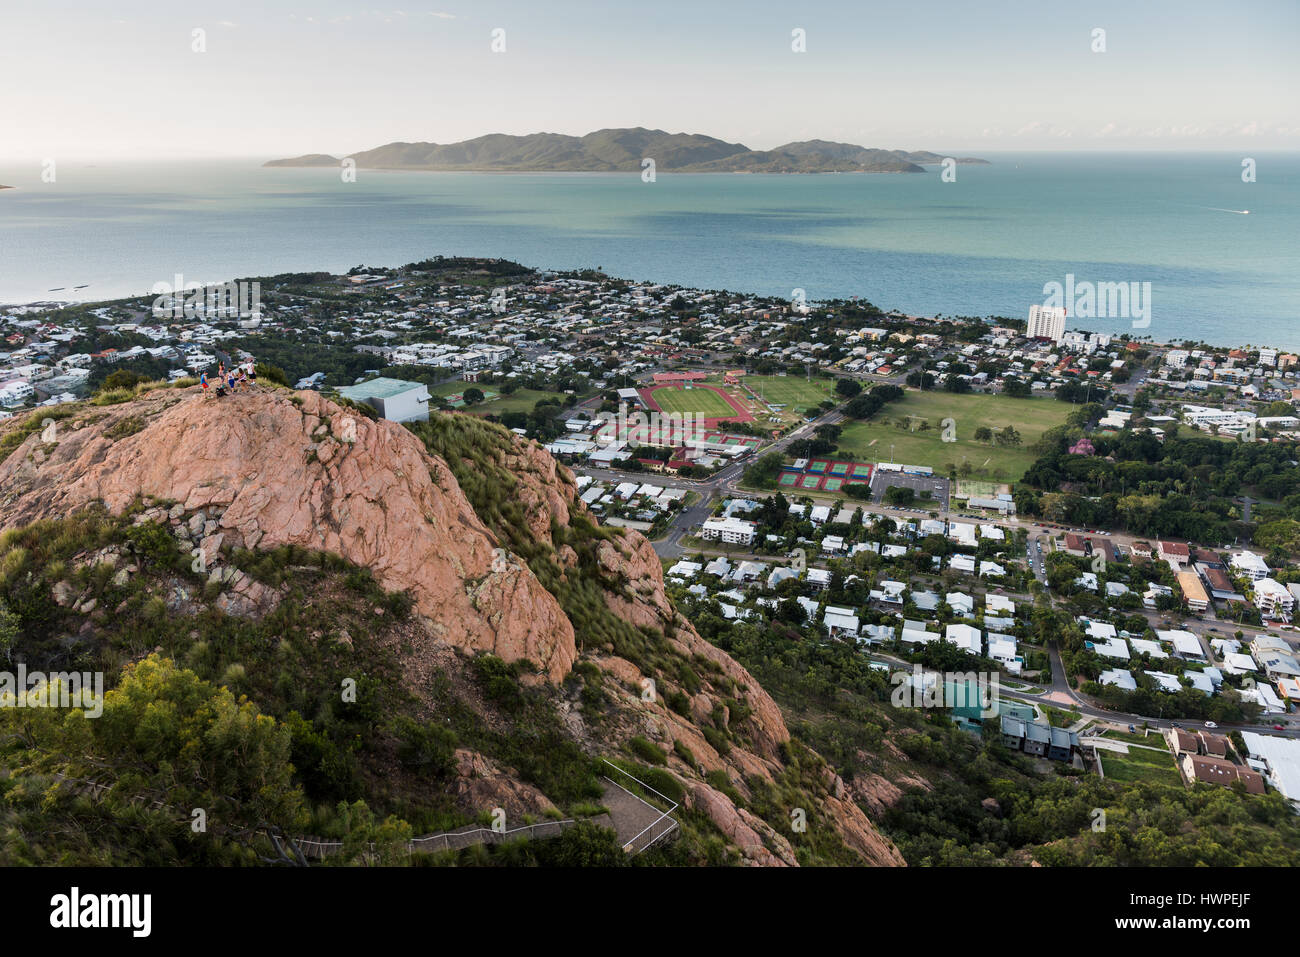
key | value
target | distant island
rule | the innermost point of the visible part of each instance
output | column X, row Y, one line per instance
column 623, row 150
column 6, row 187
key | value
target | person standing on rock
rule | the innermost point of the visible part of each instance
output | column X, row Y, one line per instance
column 203, row 381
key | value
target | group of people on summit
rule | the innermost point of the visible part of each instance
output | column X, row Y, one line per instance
column 236, row 378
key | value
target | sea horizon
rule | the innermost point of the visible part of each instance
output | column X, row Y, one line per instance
column 986, row 245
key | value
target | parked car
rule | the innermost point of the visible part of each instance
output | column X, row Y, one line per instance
column 1132, row 730
column 1278, row 727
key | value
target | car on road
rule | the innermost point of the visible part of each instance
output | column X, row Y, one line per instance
column 1210, row 724
column 1278, row 727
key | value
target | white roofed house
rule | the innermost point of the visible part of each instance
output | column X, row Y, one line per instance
column 748, row 572
column 962, row 533
column 1186, row 644
column 685, row 570
column 925, row 600
column 1237, row 663
column 1153, row 592
column 889, row 591
column 840, row 621
column 876, row 634
column 917, row 633
column 1115, row 648
column 965, row 637
column 991, row 570
column 1002, row 649
column 1249, row 565
column 779, row 575
column 1145, row 646
column 1274, row 655
column 962, row 605
column 821, row 514
column 999, row 604
column 1167, row 682
column 833, row 545
column 1200, row 681
column 1119, row 678
column 819, row 578
column 962, row 563
column 1099, row 630
column 1273, row 600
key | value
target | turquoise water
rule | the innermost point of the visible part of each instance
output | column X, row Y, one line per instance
column 983, row 245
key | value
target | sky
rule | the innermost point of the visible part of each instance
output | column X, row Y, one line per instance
column 121, row 79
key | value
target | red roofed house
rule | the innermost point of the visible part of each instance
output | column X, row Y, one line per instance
column 1218, row 771
column 1175, row 551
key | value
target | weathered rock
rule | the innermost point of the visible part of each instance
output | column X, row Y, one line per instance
column 63, row 593
column 382, row 502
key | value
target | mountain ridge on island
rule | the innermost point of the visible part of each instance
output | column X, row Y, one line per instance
column 623, row 150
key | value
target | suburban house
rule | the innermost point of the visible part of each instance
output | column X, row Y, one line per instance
column 1039, row 738
column 1206, row 770
column 1193, row 591
column 1249, row 565
column 1174, row 552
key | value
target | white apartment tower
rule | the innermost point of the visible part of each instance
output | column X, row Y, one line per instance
column 1046, row 322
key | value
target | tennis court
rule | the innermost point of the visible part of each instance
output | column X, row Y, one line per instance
column 825, row 475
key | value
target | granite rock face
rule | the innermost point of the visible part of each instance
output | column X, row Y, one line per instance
column 295, row 469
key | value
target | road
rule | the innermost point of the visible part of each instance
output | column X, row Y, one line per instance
column 725, row 483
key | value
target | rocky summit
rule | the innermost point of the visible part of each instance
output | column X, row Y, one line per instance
column 500, row 560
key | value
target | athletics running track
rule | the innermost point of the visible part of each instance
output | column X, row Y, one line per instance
column 742, row 414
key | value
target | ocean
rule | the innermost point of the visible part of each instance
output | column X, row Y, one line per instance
column 987, row 244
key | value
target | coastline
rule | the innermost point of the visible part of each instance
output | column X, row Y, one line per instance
column 991, row 320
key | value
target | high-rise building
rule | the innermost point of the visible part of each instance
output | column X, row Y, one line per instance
column 1046, row 322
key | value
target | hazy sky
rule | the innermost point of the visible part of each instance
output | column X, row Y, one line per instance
column 119, row 78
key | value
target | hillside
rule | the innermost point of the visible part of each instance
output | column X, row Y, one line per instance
column 231, row 564
column 622, row 150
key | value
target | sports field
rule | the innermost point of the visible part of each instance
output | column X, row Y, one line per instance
column 698, row 401
column 796, row 393
column 522, row 400
column 883, row 440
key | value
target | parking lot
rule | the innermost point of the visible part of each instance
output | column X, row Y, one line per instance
column 937, row 486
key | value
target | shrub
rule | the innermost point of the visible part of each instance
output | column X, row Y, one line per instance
column 647, row 750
